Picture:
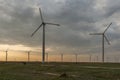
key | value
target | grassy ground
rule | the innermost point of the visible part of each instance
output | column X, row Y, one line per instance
column 52, row 71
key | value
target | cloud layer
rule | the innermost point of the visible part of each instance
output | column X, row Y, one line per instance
column 78, row 18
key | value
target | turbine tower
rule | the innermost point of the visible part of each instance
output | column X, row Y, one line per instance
column 61, row 57
column 97, row 58
column 76, row 58
column 90, row 58
column 47, row 57
column 29, row 55
column 103, row 37
column 6, row 55
column 43, row 24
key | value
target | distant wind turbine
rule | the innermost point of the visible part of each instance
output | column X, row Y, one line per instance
column 29, row 55
column 76, row 57
column 43, row 24
column 90, row 58
column 103, row 37
column 61, row 57
column 6, row 55
column 47, row 57
column 97, row 58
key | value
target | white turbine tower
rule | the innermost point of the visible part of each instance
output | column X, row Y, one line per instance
column 103, row 37
column 43, row 24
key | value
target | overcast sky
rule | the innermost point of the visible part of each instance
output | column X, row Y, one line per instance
column 78, row 18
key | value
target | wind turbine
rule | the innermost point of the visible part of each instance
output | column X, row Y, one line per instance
column 61, row 57
column 76, row 58
column 6, row 55
column 47, row 57
column 29, row 55
column 90, row 58
column 97, row 58
column 43, row 24
column 103, row 37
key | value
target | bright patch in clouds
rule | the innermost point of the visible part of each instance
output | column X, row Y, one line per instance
column 100, row 5
column 14, row 47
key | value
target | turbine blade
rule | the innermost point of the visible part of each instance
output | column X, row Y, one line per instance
column 36, row 30
column 107, row 39
column 95, row 34
column 53, row 24
column 41, row 15
column 107, row 27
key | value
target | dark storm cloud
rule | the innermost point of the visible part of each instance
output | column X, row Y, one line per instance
column 19, row 18
column 77, row 10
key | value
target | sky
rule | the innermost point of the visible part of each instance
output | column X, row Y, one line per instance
column 78, row 18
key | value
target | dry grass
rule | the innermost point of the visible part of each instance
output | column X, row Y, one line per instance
column 52, row 71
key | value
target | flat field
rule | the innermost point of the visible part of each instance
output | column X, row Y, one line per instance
column 59, row 71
